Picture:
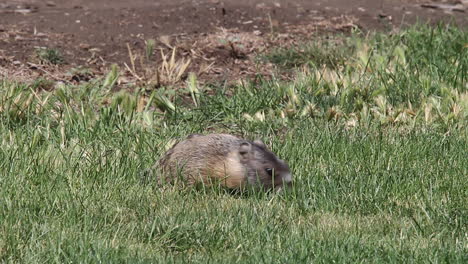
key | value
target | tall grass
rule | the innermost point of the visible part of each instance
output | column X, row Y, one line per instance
column 377, row 146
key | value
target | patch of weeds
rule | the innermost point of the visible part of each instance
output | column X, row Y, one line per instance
column 80, row 74
column 42, row 84
column 50, row 55
column 169, row 71
column 111, row 78
column 330, row 52
column 418, row 76
column 150, row 44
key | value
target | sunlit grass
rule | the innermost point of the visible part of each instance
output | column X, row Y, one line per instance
column 377, row 146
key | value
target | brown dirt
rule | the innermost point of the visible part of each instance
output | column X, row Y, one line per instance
column 219, row 37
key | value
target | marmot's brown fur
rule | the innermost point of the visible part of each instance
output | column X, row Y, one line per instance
column 225, row 159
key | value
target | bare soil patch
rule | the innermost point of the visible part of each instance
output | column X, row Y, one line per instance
column 219, row 38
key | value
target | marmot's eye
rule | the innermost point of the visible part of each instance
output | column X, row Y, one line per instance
column 269, row 171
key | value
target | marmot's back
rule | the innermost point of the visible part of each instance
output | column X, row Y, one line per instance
column 223, row 158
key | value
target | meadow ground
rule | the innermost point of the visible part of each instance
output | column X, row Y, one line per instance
column 372, row 125
column 221, row 38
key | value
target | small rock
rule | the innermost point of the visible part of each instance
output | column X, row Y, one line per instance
column 50, row 3
column 23, row 11
column 446, row 7
column 16, row 62
column 257, row 32
column 85, row 46
column 318, row 18
column 383, row 15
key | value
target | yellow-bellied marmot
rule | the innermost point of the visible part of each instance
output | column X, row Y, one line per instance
column 225, row 159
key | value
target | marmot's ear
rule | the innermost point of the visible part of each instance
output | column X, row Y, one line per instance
column 244, row 149
column 259, row 143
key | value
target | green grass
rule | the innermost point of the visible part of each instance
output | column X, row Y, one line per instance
column 50, row 55
column 377, row 146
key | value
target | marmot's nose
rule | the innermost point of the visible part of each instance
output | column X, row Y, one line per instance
column 287, row 179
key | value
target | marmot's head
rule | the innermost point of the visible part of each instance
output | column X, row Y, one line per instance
column 262, row 166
